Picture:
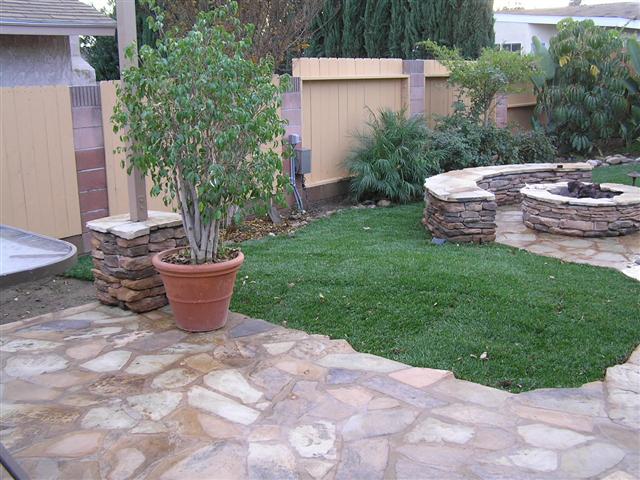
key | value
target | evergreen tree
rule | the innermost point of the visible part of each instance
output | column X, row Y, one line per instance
column 327, row 38
column 102, row 52
column 393, row 28
column 397, row 28
column 376, row 32
column 353, row 28
column 474, row 29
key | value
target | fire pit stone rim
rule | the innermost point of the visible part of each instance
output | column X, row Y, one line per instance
column 541, row 191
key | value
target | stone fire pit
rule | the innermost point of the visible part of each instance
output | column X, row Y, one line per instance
column 547, row 207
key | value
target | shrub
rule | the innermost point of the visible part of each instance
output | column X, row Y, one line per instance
column 631, row 129
column 394, row 157
column 582, row 85
column 389, row 160
column 450, row 149
column 535, row 147
column 473, row 144
column 460, row 141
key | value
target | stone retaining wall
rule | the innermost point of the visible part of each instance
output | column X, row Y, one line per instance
column 461, row 205
column 122, row 251
column 507, row 188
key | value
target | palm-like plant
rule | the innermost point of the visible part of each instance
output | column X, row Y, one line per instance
column 582, row 84
column 389, row 160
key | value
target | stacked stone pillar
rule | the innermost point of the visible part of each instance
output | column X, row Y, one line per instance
column 122, row 251
column 461, row 222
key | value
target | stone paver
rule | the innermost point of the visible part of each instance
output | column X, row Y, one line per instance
column 101, row 393
column 621, row 253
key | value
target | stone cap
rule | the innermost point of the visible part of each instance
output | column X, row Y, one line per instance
column 121, row 226
column 462, row 185
column 541, row 191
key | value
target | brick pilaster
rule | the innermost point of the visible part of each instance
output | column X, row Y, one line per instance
column 416, row 99
column 502, row 110
column 292, row 112
column 88, row 140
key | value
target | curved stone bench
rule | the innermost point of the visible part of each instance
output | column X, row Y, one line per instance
column 461, row 204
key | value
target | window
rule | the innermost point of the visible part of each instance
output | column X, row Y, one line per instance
column 511, row 47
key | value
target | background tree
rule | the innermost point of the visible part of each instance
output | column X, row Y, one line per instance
column 102, row 52
column 353, row 28
column 327, row 27
column 473, row 29
column 281, row 29
column 377, row 17
column 393, row 28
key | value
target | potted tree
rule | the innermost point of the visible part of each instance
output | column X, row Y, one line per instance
column 200, row 117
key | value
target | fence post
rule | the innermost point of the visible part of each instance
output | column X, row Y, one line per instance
column 126, row 13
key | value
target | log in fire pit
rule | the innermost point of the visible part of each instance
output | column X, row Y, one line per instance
column 582, row 209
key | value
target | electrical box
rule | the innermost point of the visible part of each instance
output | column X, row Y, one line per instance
column 294, row 139
column 303, row 161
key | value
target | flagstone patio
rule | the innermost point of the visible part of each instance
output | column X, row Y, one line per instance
column 97, row 392
column 620, row 253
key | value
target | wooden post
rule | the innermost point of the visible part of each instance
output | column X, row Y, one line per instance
column 126, row 13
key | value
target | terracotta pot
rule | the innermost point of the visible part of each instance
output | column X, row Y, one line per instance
column 199, row 294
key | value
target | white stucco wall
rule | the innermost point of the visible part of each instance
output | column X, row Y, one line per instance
column 512, row 32
column 41, row 60
column 523, row 33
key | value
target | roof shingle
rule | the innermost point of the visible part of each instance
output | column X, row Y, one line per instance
column 70, row 13
column 628, row 10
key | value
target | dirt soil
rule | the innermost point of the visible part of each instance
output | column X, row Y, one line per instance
column 42, row 296
column 261, row 227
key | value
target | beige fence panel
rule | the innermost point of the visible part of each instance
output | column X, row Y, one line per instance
column 338, row 98
column 440, row 95
column 116, row 174
column 520, row 108
column 347, row 68
column 37, row 161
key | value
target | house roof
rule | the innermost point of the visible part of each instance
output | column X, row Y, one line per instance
column 53, row 17
column 620, row 14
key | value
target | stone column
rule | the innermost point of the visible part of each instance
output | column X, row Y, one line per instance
column 122, row 251
column 415, row 70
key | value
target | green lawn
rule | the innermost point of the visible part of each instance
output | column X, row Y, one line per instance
column 373, row 278
column 615, row 174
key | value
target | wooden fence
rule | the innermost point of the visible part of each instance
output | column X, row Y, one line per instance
column 50, row 145
column 338, row 97
column 37, row 162
column 116, row 175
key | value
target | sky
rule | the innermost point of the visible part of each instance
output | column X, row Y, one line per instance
column 497, row 3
